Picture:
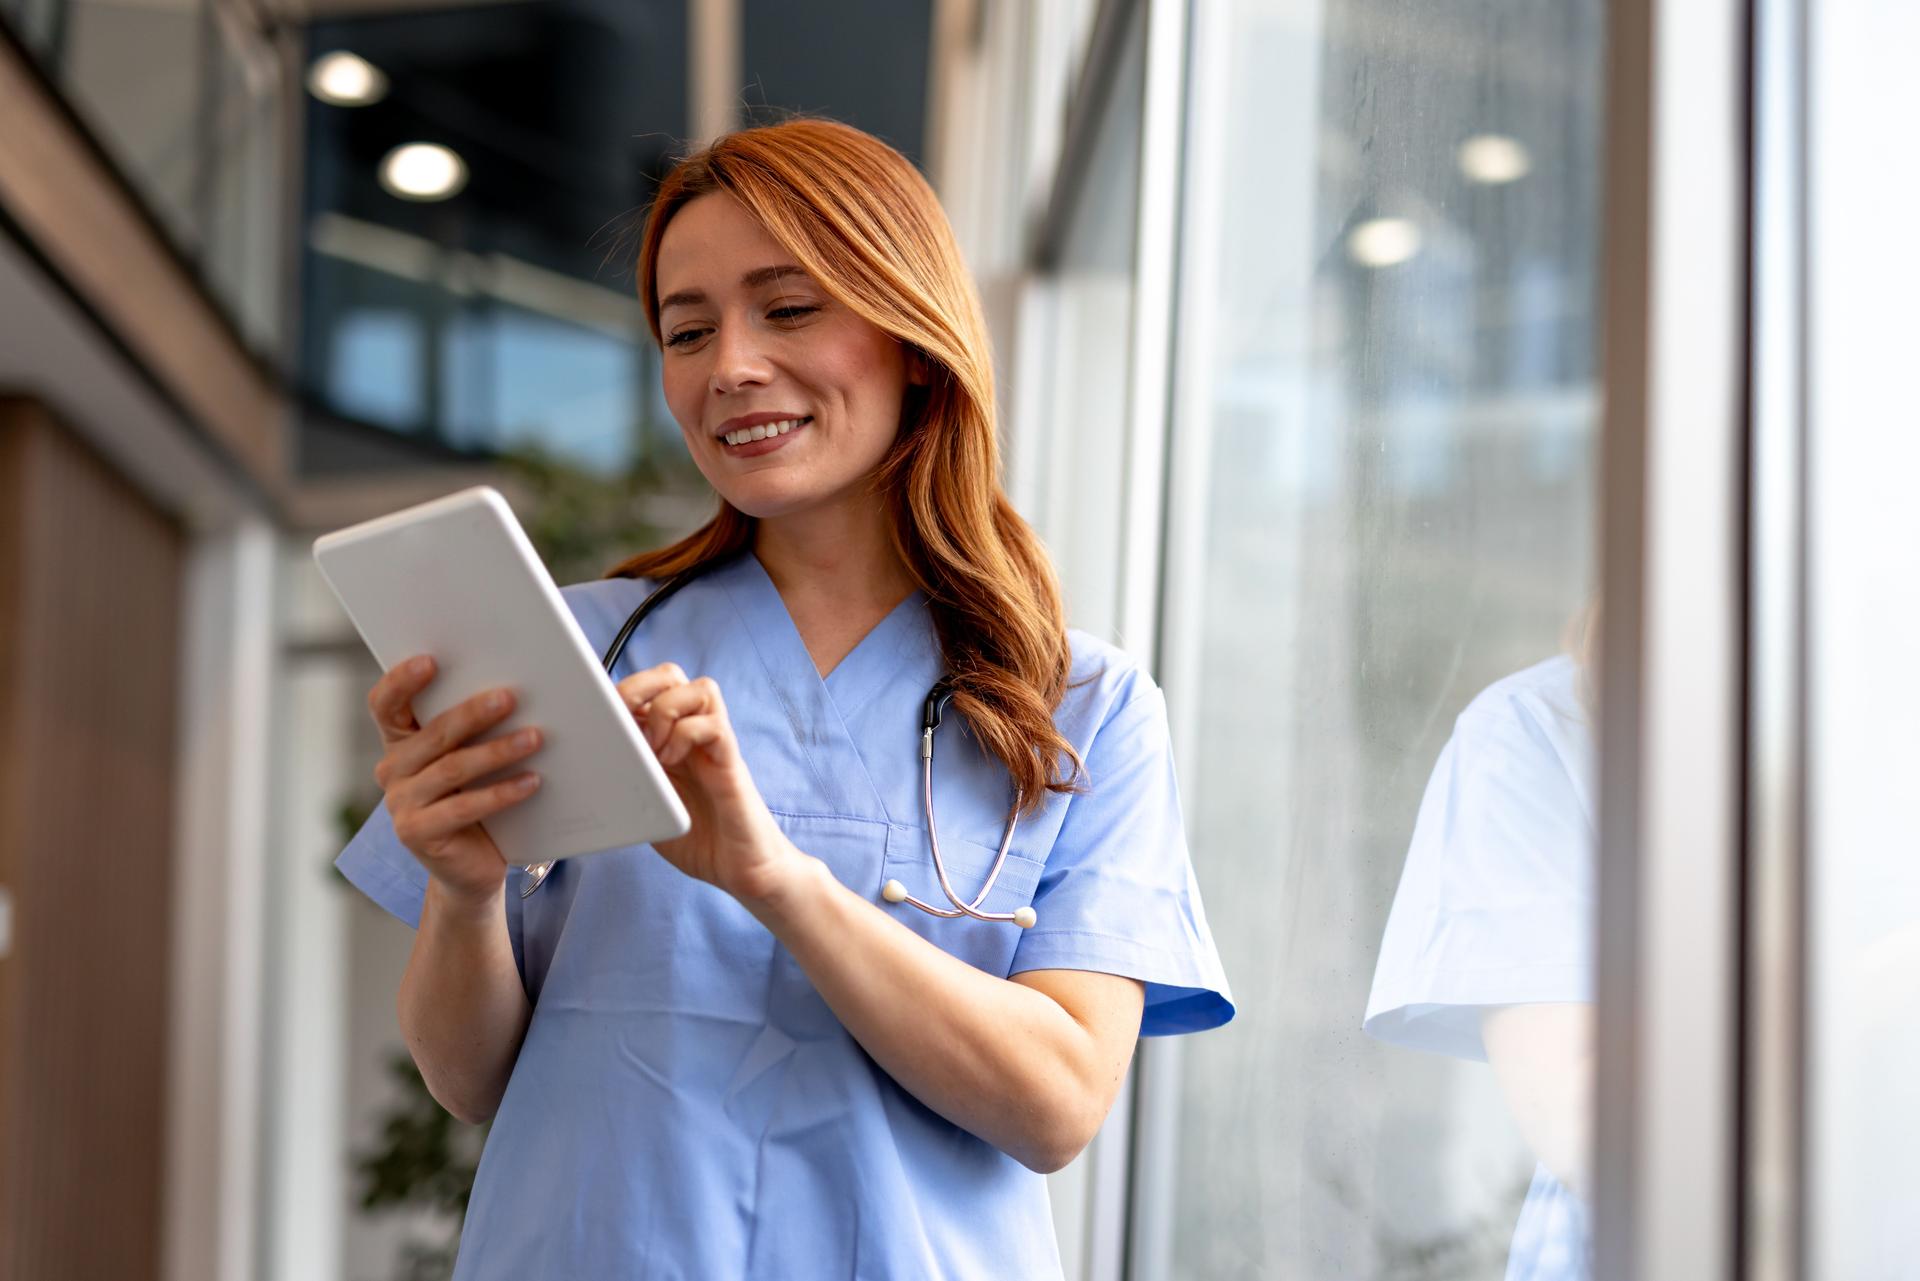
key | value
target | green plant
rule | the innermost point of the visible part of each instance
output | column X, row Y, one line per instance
column 425, row 1160
column 581, row 522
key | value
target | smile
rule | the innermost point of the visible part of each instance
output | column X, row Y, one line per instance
column 762, row 437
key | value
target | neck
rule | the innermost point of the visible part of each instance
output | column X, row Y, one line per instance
column 841, row 552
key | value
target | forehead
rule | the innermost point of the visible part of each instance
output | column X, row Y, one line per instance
column 710, row 242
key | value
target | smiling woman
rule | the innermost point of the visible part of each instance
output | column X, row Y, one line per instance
column 812, row 261
column 768, row 347
column 755, row 1050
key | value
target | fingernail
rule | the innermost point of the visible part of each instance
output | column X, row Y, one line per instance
column 527, row 738
column 496, row 700
column 527, row 782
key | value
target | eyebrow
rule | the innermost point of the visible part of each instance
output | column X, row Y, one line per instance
column 753, row 279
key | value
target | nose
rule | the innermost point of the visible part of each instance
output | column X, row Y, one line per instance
column 738, row 362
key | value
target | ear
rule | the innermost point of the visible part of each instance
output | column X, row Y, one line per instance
column 919, row 368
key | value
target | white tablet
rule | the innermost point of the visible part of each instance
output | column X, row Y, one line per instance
column 456, row 578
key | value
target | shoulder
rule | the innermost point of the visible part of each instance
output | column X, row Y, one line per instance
column 599, row 597
column 1105, row 685
column 1542, row 698
column 1532, row 720
column 610, row 592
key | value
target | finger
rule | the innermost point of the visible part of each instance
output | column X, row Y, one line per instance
column 642, row 688
column 390, row 701
column 422, row 826
column 700, row 700
column 408, row 756
column 458, row 768
column 709, row 732
column 692, row 699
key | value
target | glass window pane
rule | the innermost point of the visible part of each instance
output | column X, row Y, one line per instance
column 134, row 71
column 1863, row 688
column 245, row 201
column 1380, row 593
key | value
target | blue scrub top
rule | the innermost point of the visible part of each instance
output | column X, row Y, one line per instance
column 1496, row 907
column 685, row 1105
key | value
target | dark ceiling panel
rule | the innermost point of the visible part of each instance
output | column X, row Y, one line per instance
column 861, row 61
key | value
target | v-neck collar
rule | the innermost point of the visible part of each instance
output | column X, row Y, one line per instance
column 819, row 708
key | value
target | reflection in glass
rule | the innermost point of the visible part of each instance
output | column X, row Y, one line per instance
column 1073, row 481
column 1382, row 504
column 1488, row 951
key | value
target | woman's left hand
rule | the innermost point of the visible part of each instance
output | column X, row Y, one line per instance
column 733, row 842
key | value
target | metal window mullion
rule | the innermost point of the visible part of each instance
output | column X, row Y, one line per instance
column 1666, row 1174
column 1773, row 998
column 715, row 51
column 1180, row 126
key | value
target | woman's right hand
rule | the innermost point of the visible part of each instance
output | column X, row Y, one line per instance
column 426, row 766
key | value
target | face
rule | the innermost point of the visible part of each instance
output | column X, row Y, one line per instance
column 788, row 400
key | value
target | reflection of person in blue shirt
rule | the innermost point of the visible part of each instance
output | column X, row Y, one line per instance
column 737, row 1054
column 1488, row 951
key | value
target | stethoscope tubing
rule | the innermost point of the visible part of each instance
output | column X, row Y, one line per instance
column 893, row 891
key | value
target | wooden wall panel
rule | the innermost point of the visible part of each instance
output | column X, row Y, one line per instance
column 90, row 600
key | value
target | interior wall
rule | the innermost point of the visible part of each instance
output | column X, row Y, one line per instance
column 90, row 586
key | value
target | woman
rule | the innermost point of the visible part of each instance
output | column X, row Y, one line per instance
column 734, row 1055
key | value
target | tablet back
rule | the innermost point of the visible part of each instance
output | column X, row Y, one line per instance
column 456, row 578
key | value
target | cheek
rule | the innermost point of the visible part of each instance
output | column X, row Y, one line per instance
column 685, row 391
column 876, row 376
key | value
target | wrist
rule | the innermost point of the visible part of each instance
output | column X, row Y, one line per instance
column 466, row 906
column 781, row 889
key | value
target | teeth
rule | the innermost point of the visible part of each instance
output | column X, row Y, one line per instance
column 761, row 432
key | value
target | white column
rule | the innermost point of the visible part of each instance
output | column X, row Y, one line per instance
column 211, row 1192
column 320, row 693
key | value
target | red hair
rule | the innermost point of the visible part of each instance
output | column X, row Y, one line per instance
column 861, row 221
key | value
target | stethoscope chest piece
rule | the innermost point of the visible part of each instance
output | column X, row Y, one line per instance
column 537, row 874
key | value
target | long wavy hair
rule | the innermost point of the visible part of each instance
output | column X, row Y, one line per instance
column 861, row 221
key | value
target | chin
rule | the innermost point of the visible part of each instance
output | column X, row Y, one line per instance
column 764, row 502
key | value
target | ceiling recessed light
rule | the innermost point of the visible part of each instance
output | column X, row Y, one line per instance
column 345, row 80
column 422, row 171
column 1493, row 158
column 1384, row 242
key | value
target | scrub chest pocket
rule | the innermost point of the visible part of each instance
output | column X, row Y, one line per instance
column 865, row 854
column 985, row 945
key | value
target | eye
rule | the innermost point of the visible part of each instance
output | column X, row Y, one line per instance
column 794, row 312
column 685, row 336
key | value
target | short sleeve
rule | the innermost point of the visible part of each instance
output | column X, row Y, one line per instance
column 386, row 871
column 1495, row 904
column 1118, row 895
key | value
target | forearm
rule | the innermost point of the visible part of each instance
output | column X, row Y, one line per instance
column 462, row 1008
column 1002, row 1061
column 1543, row 1059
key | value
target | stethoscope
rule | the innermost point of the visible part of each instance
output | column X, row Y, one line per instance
column 893, row 891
